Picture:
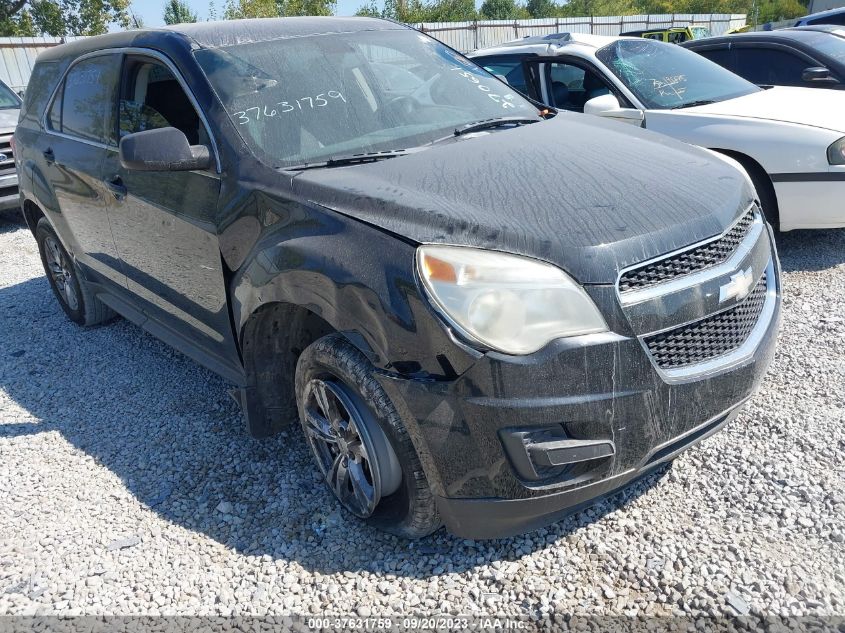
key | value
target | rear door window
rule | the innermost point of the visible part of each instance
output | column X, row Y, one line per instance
column 87, row 100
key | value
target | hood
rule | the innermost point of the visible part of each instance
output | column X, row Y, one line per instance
column 9, row 119
column 589, row 195
column 803, row 106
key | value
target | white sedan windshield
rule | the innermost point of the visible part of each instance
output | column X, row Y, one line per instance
column 306, row 99
column 665, row 76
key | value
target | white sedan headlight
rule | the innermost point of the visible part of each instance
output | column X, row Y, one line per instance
column 505, row 302
column 836, row 152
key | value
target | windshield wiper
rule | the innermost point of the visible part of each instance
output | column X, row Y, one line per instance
column 692, row 104
column 487, row 124
column 352, row 159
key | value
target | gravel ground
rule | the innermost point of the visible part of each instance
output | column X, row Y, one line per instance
column 127, row 486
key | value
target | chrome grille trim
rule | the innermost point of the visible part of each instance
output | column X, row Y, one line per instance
column 7, row 166
column 711, row 337
column 740, row 354
column 702, row 275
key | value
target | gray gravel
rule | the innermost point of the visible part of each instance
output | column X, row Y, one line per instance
column 128, row 486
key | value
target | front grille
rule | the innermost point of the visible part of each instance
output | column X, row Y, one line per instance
column 693, row 260
column 711, row 337
column 7, row 165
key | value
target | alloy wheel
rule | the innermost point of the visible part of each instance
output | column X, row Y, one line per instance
column 61, row 270
column 352, row 452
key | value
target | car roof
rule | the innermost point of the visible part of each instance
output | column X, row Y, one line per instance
column 548, row 44
column 796, row 33
column 822, row 14
column 218, row 34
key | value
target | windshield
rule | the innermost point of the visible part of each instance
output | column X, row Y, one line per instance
column 664, row 76
column 8, row 99
column 308, row 99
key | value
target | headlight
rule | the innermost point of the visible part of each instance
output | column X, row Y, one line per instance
column 836, row 152
column 505, row 302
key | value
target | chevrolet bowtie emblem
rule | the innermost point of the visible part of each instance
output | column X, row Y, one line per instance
column 738, row 287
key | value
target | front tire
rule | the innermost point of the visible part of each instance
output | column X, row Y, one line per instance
column 71, row 290
column 359, row 441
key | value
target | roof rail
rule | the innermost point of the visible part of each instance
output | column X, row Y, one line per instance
column 551, row 38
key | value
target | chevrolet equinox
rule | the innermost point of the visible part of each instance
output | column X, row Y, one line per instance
column 483, row 314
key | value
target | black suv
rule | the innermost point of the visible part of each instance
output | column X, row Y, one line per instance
column 482, row 314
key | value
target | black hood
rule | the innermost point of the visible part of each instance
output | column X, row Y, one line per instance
column 589, row 195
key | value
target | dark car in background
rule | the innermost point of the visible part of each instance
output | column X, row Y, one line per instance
column 10, row 105
column 807, row 56
column 831, row 16
column 480, row 317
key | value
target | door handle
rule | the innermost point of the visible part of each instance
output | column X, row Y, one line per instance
column 49, row 156
column 117, row 188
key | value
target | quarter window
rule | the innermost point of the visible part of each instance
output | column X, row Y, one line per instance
column 87, row 100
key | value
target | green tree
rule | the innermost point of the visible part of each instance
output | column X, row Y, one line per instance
column 178, row 12
column 450, row 11
column 499, row 10
column 541, row 8
column 306, row 7
column 238, row 9
column 369, row 10
column 62, row 17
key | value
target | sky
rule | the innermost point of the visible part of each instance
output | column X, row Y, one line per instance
column 152, row 11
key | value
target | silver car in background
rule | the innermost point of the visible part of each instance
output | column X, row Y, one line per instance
column 10, row 108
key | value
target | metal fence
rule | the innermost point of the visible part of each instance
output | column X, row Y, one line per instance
column 469, row 36
column 17, row 54
column 17, row 57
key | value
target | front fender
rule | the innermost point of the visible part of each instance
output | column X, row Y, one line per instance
column 357, row 278
column 777, row 146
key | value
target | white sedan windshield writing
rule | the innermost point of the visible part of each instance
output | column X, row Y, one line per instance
column 309, row 99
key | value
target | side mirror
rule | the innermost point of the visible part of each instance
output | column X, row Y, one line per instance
column 817, row 73
column 163, row 149
column 608, row 106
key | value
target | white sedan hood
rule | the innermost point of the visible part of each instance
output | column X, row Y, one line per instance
column 803, row 106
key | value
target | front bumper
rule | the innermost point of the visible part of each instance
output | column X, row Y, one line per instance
column 590, row 415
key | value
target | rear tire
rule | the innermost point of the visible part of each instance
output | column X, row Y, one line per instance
column 404, row 505
column 72, row 291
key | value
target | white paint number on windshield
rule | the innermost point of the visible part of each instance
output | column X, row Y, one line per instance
column 256, row 113
column 504, row 100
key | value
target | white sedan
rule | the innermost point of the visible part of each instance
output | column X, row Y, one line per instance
column 791, row 141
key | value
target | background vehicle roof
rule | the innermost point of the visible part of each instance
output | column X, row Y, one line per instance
column 798, row 33
column 222, row 33
column 548, row 44
column 823, row 14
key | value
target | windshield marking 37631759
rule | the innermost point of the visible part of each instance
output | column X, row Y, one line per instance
column 307, row 100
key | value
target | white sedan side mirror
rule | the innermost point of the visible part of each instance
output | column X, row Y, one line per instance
column 608, row 106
